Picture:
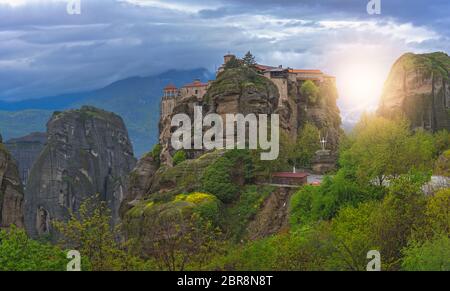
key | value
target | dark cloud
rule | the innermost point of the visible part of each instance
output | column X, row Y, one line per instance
column 45, row 51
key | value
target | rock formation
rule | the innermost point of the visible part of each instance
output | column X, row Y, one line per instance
column 25, row 151
column 237, row 90
column 419, row 87
column 11, row 192
column 88, row 152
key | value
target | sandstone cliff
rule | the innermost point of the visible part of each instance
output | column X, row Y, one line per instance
column 88, row 152
column 11, row 192
column 418, row 86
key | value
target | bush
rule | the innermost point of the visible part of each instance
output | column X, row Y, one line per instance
column 224, row 176
column 180, row 156
column 312, row 203
column 310, row 91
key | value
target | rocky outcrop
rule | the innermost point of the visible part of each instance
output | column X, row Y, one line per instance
column 419, row 87
column 238, row 90
column 88, row 152
column 11, row 192
column 25, row 151
column 273, row 216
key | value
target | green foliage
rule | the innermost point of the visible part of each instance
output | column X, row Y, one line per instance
column 156, row 152
column 233, row 63
column 20, row 253
column 432, row 255
column 353, row 236
column 307, row 144
column 313, row 203
column 442, row 141
column 249, row 59
column 89, row 232
column 224, row 177
column 310, row 91
column 438, row 212
column 303, row 250
column 239, row 214
column 180, row 156
column 442, row 166
column 382, row 148
column 207, row 206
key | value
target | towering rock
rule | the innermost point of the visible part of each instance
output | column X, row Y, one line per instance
column 88, row 152
column 11, row 192
column 25, row 151
column 419, row 86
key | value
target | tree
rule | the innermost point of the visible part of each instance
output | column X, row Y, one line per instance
column 249, row 59
column 402, row 212
column 310, row 91
column 307, row 144
column 432, row 255
column 384, row 149
column 89, row 231
column 20, row 253
column 442, row 141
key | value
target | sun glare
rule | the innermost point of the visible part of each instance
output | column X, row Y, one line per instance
column 360, row 84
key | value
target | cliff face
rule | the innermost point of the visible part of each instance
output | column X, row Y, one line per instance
column 25, row 151
column 11, row 192
column 88, row 152
column 418, row 86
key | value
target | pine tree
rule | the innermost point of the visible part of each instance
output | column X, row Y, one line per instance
column 249, row 59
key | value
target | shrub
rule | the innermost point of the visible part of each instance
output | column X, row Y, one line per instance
column 20, row 253
column 180, row 156
column 225, row 175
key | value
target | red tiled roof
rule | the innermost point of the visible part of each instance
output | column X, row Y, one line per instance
column 170, row 87
column 289, row 175
column 195, row 84
column 264, row 67
column 305, row 71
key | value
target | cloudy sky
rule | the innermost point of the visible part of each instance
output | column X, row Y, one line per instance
column 45, row 51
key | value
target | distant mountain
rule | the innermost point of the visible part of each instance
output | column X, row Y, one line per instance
column 135, row 99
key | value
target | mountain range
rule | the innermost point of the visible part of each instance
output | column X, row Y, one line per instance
column 135, row 99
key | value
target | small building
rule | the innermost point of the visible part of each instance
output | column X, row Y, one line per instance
column 196, row 88
column 290, row 178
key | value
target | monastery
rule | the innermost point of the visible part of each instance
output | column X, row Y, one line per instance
column 278, row 75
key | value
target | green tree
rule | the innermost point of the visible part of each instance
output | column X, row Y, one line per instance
column 249, row 59
column 310, row 91
column 402, row 212
column 20, row 253
column 431, row 255
column 384, row 149
column 442, row 166
column 307, row 144
column 89, row 231
column 354, row 236
column 442, row 141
